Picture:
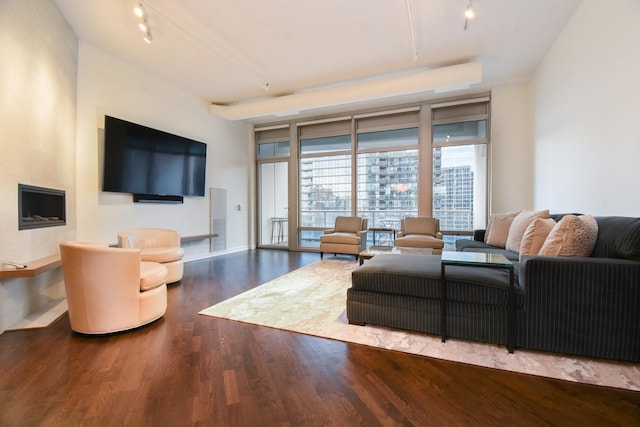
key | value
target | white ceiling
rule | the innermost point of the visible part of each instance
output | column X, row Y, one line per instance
column 230, row 51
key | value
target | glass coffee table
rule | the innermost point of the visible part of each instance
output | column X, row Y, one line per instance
column 479, row 259
column 377, row 250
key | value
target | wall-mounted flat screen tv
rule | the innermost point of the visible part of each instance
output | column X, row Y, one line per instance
column 145, row 161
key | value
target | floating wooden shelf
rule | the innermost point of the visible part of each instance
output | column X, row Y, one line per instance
column 34, row 268
column 50, row 262
column 200, row 237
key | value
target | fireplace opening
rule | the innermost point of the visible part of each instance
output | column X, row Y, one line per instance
column 40, row 207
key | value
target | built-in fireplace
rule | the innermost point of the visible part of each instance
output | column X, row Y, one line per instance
column 40, row 207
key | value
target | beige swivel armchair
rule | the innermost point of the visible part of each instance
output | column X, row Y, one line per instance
column 110, row 289
column 420, row 232
column 349, row 236
column 156, row 245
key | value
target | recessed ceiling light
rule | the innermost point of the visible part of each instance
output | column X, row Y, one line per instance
column 469, row 14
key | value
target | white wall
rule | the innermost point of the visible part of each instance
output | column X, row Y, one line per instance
column 38, row 56
column 512, row 149
column 107, row 85
column 586, row 101
column 53, row 96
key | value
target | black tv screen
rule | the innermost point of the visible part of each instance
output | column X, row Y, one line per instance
column 146, row 161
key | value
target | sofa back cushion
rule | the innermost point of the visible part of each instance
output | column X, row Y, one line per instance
column 618, row 237
column 348, row 224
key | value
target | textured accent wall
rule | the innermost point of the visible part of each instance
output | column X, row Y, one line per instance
column 38, row 80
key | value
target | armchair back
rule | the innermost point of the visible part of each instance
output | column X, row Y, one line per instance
column 350, row 224
column 103, row 287
column 420, row 225
column 144, row 238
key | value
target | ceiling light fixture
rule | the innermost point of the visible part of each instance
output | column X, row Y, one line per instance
column 469, row 14
column 144, row 26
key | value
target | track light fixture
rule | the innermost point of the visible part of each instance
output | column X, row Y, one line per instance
column 469, row 14
column 144, row 26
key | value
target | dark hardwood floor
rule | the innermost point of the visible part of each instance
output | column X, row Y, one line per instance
column 187, row 369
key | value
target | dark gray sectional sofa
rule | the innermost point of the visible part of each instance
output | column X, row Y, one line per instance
column 586, row 306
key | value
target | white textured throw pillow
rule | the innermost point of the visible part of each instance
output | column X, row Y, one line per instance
column 519, row 226
column 572, row 236
column 498, row 229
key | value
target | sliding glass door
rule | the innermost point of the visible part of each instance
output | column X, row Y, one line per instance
column 274, row 205
column 273, row 188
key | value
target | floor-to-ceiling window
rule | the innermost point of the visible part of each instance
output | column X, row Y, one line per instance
column 460, row 165
column 325, row 183
column 388, row 166
column 428, row 160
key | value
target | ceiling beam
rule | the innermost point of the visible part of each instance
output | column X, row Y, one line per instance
column 444, row 79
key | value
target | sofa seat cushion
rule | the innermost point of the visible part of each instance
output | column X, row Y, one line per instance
column 466, row 245
column 419, row 276
column 419, row 241
column 167, row 254
column 152, row 275
column 341, row 238
column 470, row 244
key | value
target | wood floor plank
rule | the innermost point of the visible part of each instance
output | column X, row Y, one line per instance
column 187, row 369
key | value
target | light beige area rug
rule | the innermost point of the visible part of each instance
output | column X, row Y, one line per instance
column 312, row 300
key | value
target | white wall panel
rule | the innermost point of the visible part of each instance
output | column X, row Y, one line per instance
column 586, row 106
column 109, row 86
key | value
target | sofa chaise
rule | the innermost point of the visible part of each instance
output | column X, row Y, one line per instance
column 583, row 305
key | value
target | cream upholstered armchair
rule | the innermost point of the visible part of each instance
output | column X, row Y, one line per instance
column 420, row 232
column 111, row 289
column 156, row 245
column 348, row 236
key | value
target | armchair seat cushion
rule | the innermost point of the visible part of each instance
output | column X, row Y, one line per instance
column 419, row 241
column 152, row 275
column 166, row 254
column 342, row 238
